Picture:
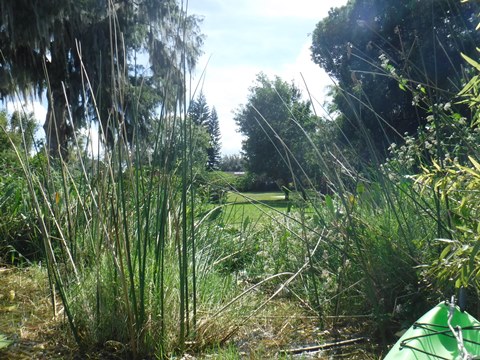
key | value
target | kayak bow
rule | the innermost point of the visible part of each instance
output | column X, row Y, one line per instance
column 431, row 337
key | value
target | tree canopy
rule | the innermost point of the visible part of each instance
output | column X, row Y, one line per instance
column 214, row 147
column 15, row 131
column 201, row 116
column 273, row 122
column 420, row 41
column 57, row 45
column 232, row 163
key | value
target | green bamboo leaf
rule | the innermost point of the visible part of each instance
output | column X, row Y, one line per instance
column 445, row 252
column 470, row 171
column 472, row 62
column 475, row 163
column 470, row 85
column 473, row 255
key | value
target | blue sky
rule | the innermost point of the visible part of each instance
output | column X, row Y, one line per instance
column 245, row 37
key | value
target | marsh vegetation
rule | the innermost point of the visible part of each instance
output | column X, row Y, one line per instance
column 144, row 249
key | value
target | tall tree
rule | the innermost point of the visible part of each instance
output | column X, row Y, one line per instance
column 56, row 44
column 199, row 111
column 213, row 150
column 271, row 122
column 418, row 40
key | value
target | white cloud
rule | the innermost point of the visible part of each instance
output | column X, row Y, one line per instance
column 226, row 88
column 36, row 107
column 301, row 9
column 309, row 77
column 248, row 36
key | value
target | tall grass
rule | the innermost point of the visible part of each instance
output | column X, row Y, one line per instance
column 120, row 237
column 384, row 223
column 138, row 258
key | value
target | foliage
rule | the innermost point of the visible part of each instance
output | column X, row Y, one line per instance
column 166, row 150
column 146, row 248
column 201, row 115
column 199, row 111
column 19, row 237
column 18, row 131
column 214, row 185
column 354, row 40
column 455, row 179
column 117, row 231
column 274, row 121
column 213, row 150
column 101, row 39
column 4, row 342
column 232, row 163
column 121, row 233
column 458, row 186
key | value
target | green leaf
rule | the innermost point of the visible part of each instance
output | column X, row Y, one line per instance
column 472, row 62
column 475, row 163
column 4, row 342
column 445, row 252
column 329, row 204
column 473, row 255
column 246, row 222
column 470, row 85
column 360, row 188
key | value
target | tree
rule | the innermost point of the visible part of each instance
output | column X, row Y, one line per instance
column 17, row 131
column 18, row 223
column 420, row 41
column 56, row 44
column 213, row 150
column 232, row 163
column 273, row 122
column 199, row 110
column 200, row 115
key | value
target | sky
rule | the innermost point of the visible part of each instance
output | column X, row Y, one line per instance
column 245, row 37
column 242, row 39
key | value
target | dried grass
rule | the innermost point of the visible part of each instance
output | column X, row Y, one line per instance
column 27, row 318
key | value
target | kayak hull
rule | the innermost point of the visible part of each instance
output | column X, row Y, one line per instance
column 430, row 337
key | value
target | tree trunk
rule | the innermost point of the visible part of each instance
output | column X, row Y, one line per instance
column 56, row 127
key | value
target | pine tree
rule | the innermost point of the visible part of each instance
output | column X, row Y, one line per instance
column 199, row 111
column 213, row 151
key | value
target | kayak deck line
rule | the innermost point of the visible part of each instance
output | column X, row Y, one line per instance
column 434, row 332
column 426, row 352
column 442, row 333
column 446, row 332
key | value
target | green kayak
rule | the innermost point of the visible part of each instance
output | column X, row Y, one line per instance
column 431, row 338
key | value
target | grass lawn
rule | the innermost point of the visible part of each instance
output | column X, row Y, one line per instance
column 255, row 206
column 235, row 197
